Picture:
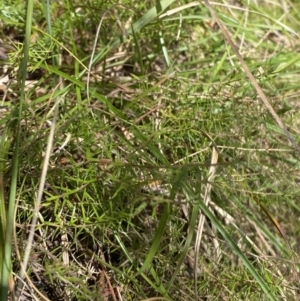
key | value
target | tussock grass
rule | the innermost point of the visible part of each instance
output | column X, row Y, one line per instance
column 146, row 98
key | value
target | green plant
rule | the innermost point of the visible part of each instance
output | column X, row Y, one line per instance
column 154, row 126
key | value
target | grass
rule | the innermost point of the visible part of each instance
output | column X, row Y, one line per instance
column 166, row 123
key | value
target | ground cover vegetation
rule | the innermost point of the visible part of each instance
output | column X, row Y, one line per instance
column 138, row 161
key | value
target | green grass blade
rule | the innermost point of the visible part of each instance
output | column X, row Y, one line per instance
column 262, row 283
column 157, row 239
column 6, row 267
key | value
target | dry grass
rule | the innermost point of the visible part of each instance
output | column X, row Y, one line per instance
column 136, row 142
